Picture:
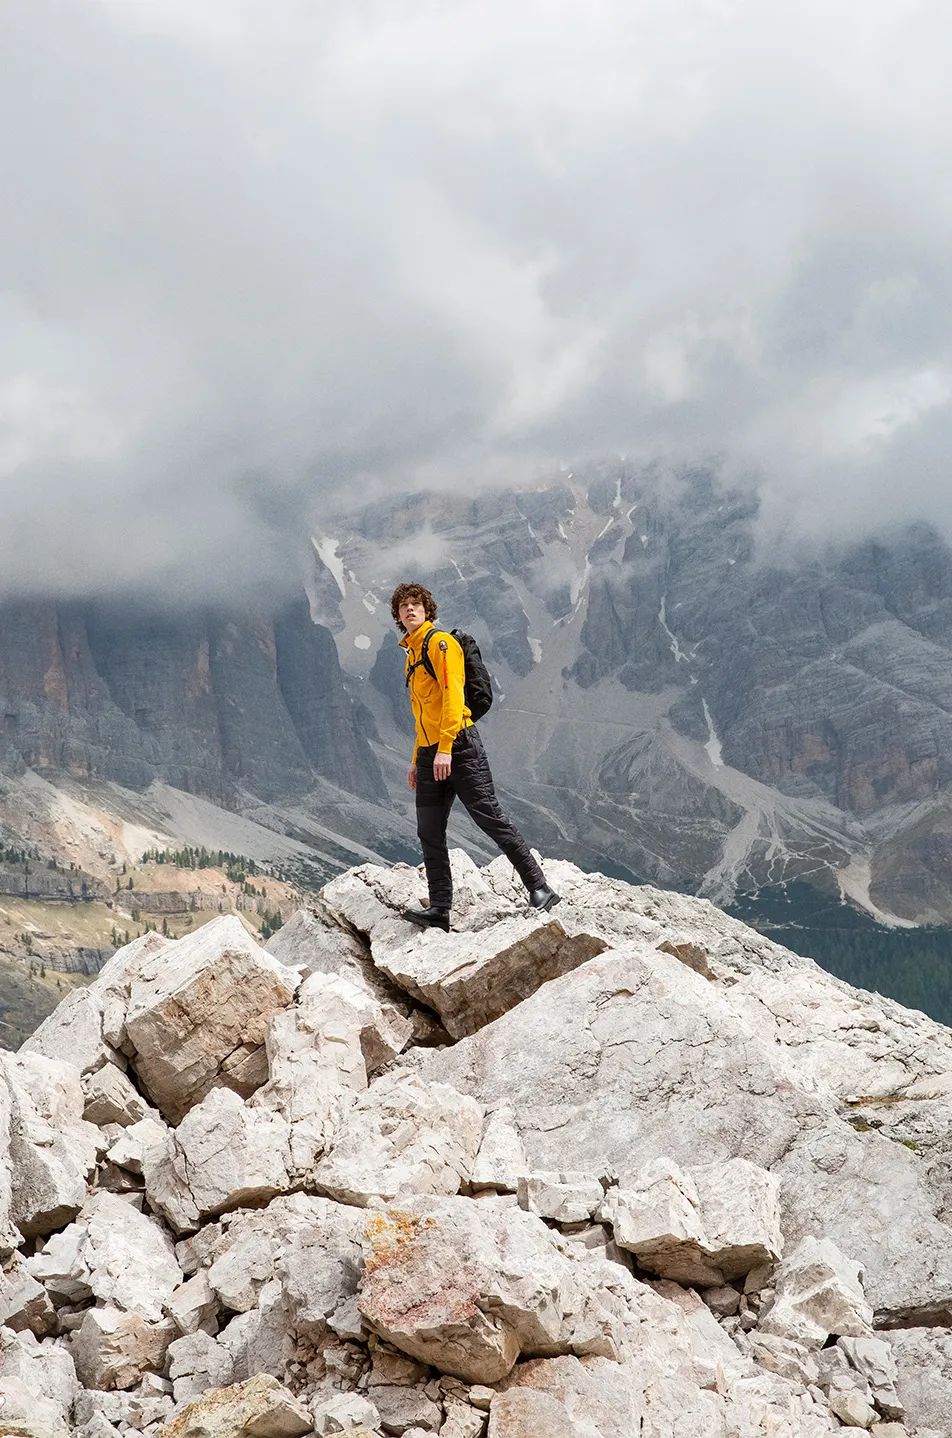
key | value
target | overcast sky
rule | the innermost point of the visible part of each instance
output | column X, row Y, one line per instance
column 252, row 254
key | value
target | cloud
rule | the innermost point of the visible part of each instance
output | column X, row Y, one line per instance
column 263, row 260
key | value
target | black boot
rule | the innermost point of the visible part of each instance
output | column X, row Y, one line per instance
column 430, row 918
column 544, row 898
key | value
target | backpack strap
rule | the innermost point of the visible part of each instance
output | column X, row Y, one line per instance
column 424, row 658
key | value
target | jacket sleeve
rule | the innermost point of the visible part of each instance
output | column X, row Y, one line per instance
column 416, row 742
column 451, row 675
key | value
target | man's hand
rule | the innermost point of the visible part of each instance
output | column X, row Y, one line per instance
column 411, row 777
column 442, row 764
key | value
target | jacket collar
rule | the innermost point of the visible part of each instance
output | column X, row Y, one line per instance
column 414, row 641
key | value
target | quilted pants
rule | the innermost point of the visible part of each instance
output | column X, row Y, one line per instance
column 472, row 783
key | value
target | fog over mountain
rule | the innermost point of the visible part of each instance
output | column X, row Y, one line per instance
column 257, row 260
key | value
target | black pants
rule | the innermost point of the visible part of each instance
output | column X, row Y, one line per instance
column 471, row 781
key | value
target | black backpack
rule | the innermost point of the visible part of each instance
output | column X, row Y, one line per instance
column 477, row 685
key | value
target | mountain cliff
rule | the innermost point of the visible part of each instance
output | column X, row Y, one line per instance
column 630, row 1172
column 205, row 702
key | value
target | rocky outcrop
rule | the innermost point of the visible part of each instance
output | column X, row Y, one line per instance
column 633, row 1198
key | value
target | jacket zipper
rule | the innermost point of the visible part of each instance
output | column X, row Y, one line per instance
column 419, row 717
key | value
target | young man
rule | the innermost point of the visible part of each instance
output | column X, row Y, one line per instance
column 449, row 761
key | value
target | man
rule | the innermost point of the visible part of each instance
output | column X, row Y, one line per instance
column 449, row 761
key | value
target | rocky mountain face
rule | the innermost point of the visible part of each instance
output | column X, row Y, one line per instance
column 628, row 1170
column 208, row 703
column 675, row 706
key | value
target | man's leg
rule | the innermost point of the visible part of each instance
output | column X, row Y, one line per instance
column 433, row 803
column 473, row 782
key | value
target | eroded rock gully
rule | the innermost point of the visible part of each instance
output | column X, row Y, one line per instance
column 626, row 1170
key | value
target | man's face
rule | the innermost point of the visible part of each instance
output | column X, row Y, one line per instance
column 412, row 614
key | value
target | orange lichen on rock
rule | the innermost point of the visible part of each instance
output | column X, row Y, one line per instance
column 390, row 1236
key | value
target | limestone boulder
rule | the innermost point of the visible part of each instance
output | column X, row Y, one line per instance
column 44, row 1368
column 317, row 1066
column 199, row 1021
column 818, row 1291
column 656, row 1215
column 590, row 1396
column 403, row 1136
column 563, row 1197
column 344, row 1413
column 112, row 1098
column 194, row 1306
column 258, row 1408
column 24, row 1302
column 114, row 1349
column 111, row 1253
column 501, row 1160
column 468, row 1287
column 196, row 1362
column 87, row 1027
column 314, row 942
column 371, row 899
column 50, row 1149
column 470, row 979
column 137, row 1146
column 319, row 1270
column 633, row 1056
column 224, row 1154
column 24, row 1413
column 923, row 1359
column 702, row 1224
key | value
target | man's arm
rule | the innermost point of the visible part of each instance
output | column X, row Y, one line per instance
column 451, row 674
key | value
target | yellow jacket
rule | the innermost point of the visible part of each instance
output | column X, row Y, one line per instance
column 439, row 708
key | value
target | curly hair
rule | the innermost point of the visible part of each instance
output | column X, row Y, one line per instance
column 412, row 591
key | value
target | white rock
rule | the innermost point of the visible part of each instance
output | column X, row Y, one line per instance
column 501, row 1158
column 51, row 1150
column 525, row 1413
column 258, row 1408
column 656, row 1215
column 587, row 1398
column 472, row 979
column 111, row 1098
column 313, row 941
column 467, row 1287
column 43, row 1368
column 197, row 1362
column 316, row 1059
column 24, row 1303
column 403, row 1136
column 462, row 1421
column 319, row 1268
column 818, row 1292
column 400, row 1407
column 786, row 1357
column 739, row 1079
column 343, row 1413
column 139, row 1145
column 740, row 1215
column 873, row 1357
column 113, row 1349
column 193, row 1306
column 223, row 1154
column 112, row 1253
column 564, row 1197
column 200, row 1020
column 850, row 1404
column 87, row 1026
column 25, row 1414
column 924, row 1367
